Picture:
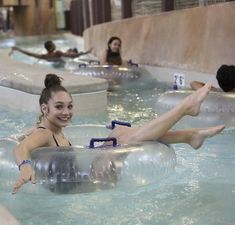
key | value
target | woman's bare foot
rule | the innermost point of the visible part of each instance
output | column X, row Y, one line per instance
column 200, row 135
column 193, row 102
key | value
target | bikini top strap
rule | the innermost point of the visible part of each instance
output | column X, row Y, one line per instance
column 57, row 144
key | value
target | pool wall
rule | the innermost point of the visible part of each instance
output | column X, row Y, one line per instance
column 196, row 39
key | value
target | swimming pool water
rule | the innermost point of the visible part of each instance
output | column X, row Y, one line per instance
column 201, row 189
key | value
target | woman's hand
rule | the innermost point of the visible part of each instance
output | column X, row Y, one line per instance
column 26, row 174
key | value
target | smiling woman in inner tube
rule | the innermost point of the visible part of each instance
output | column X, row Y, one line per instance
column 56, row 106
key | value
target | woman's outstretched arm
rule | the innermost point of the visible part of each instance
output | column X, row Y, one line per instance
column 22, row 154
column 71, row 54
column 195, row 85
column 35, row 55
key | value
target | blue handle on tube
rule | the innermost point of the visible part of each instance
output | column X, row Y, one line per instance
column 114, row 122
column 93, row 140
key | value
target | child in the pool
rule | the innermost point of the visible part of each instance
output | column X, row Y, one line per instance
column 52, row 54
column 56, row 105
column 225, row 77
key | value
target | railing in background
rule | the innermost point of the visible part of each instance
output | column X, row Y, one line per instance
column 101, row 11
column 140, row 8
column 182, row 4
column 149, row 7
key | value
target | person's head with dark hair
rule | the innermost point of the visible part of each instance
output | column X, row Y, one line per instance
column 49, row 46
column 114, row 44
column 55, row 101
column 114, row 51
column 226, row 77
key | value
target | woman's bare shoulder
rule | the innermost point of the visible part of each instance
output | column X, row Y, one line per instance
column 36, row 130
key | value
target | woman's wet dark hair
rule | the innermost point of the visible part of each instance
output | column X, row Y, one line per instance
column 226, row 77
column 112, row 39
column 52, row 85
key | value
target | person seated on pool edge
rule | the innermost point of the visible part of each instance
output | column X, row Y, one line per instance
column 56, row 106
column 52, row 54
column 112, row 55
column 225, row 77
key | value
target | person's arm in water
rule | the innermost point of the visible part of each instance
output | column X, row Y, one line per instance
column 195, row 85
column 35, row 55
column 53, row 55
column 73, row 54
column 22, row 152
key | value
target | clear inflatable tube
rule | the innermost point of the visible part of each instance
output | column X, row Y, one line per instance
column 218, row 108
column 215, row 102
column 82, row 169
column 115, row 75
column 77, row 169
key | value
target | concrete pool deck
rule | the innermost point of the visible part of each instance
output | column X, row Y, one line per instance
column 21, row 85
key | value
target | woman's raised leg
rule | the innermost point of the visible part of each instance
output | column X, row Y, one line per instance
column 158, row 127
column 193, row 137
